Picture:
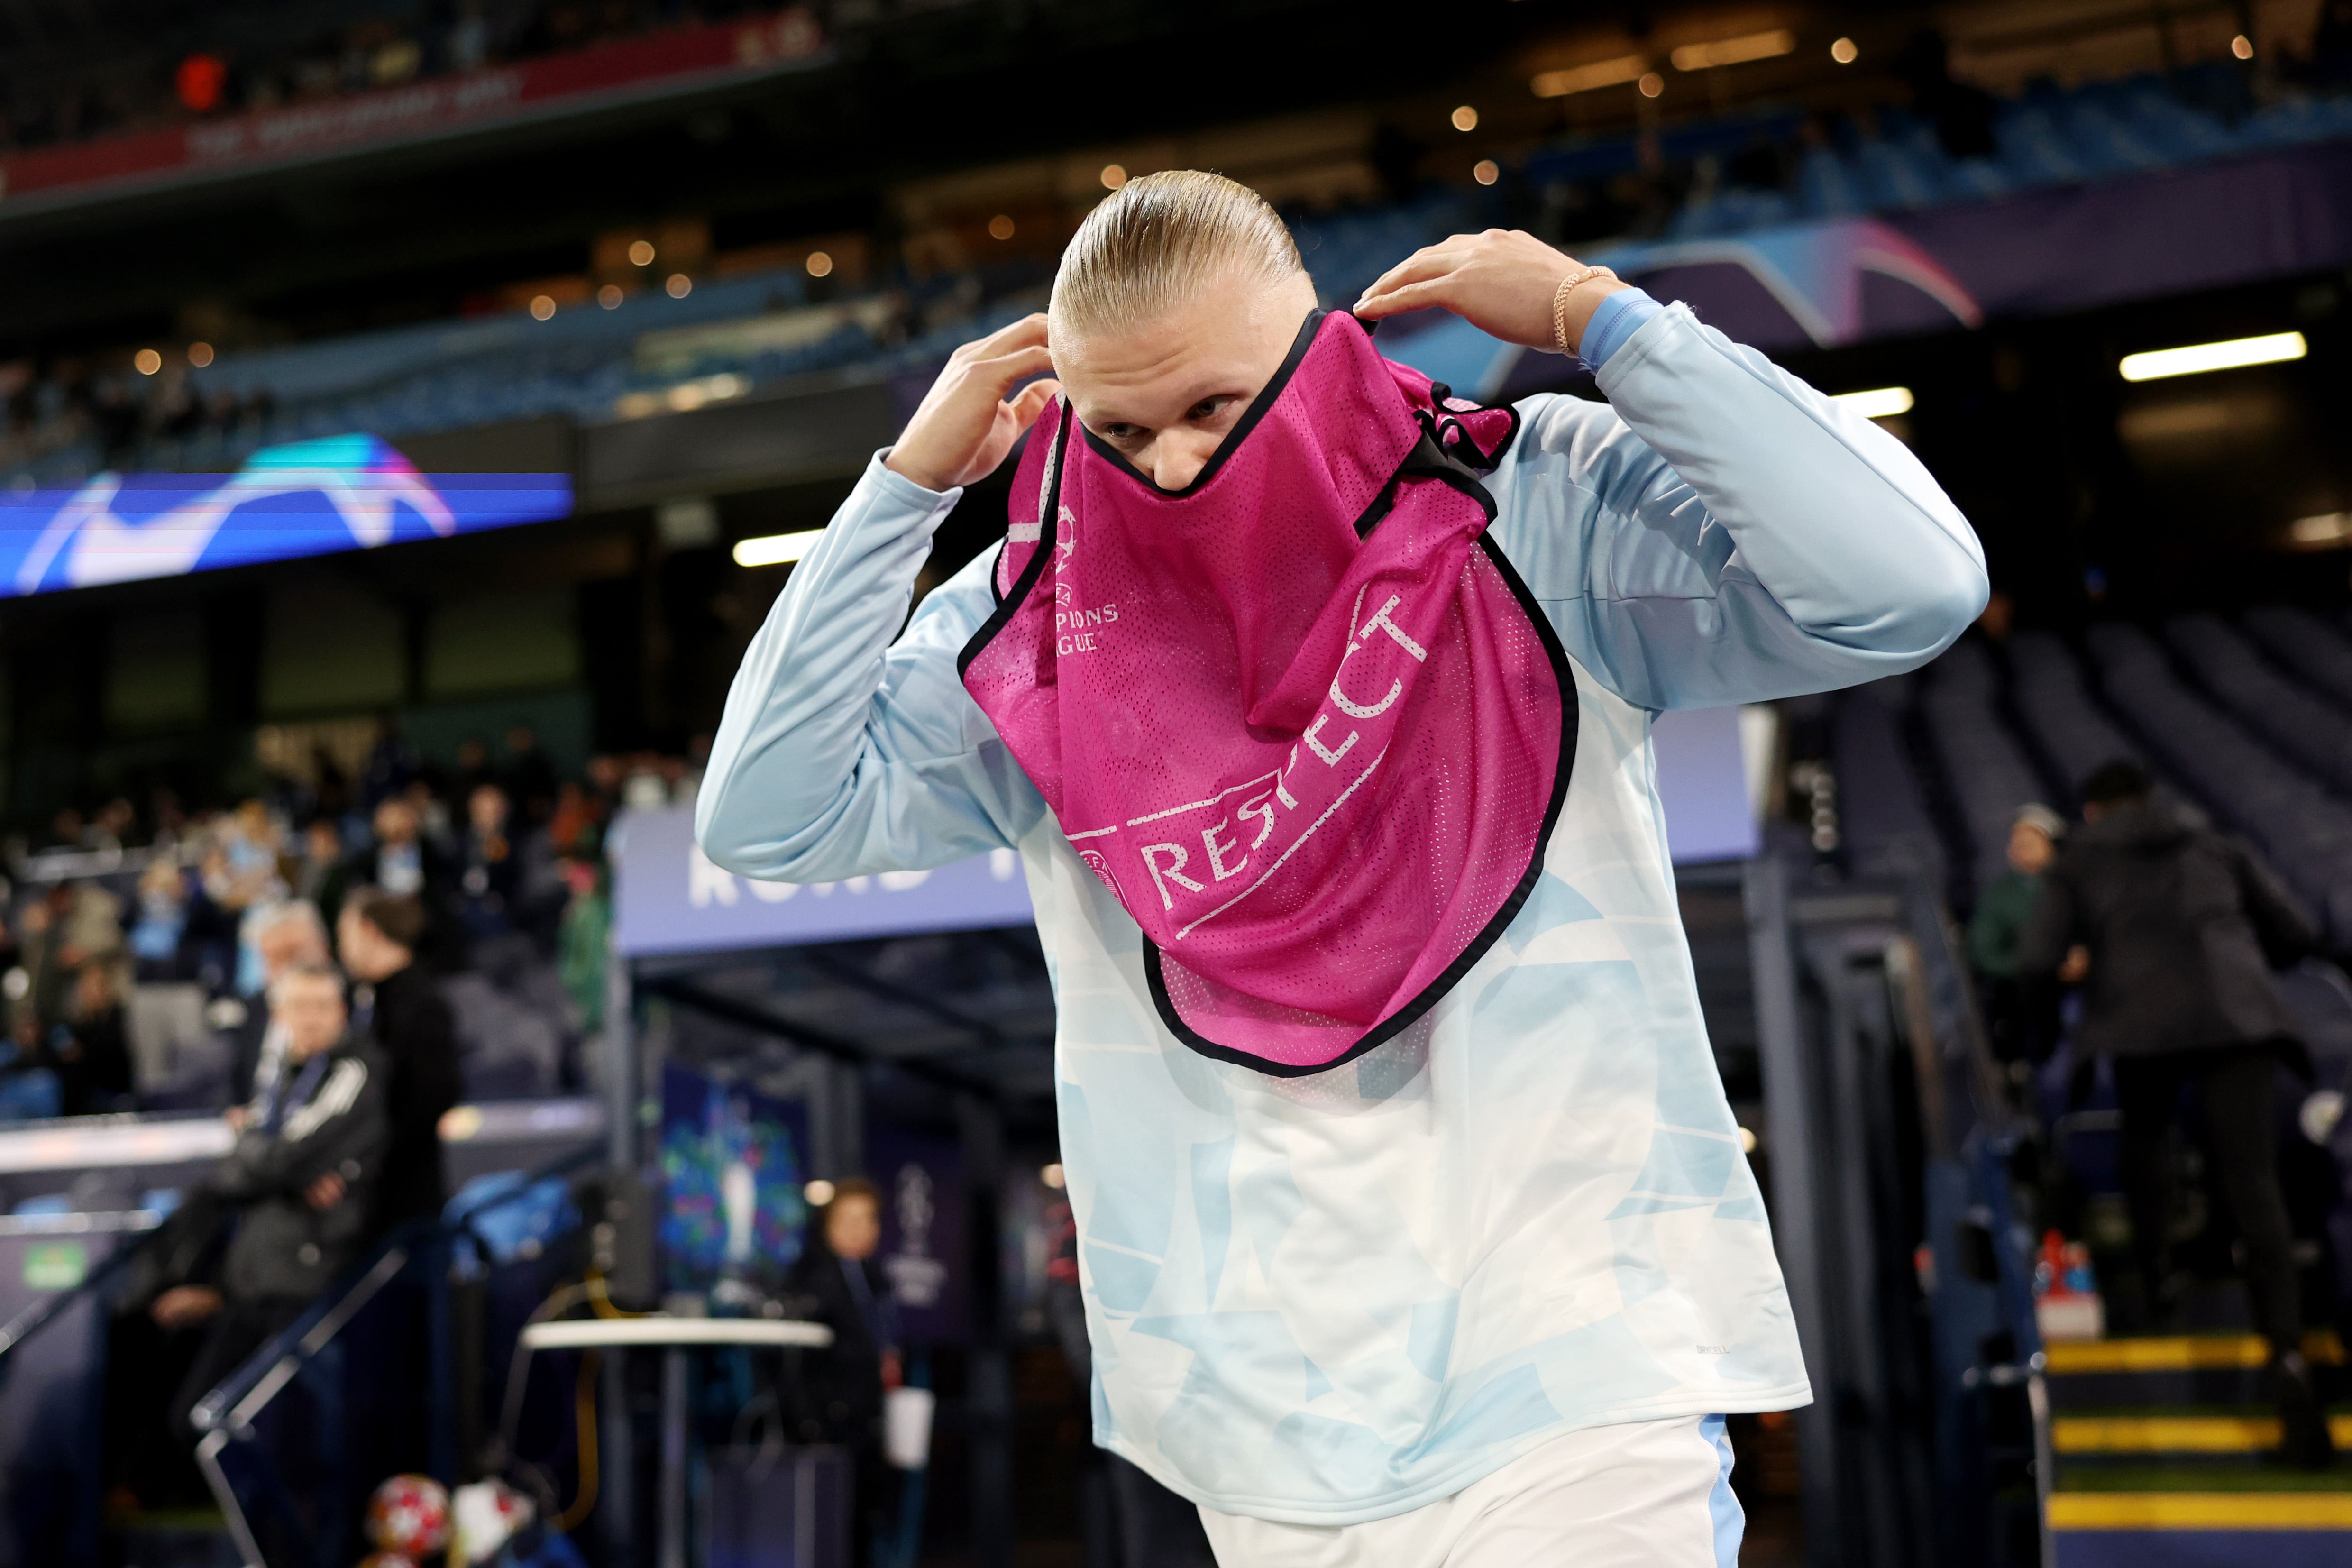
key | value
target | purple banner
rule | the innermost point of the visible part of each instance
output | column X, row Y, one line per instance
column 669, row 898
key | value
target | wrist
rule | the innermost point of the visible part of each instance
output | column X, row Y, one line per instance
column 1572, row 308
column 916, row 472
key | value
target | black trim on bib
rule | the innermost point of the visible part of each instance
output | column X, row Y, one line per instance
column 1008, row 605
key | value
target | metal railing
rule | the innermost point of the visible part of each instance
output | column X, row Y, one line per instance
column 229, row 1415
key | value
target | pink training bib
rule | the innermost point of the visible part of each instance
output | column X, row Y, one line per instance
column 1300, row 717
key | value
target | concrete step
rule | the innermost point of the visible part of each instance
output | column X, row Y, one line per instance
column 2215, row 1370
column 2142, row 1434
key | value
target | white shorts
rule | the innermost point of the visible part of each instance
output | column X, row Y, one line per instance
column 1648, row 1494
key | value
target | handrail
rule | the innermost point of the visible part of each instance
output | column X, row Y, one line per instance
column 228, row 1409
column 341, row 1302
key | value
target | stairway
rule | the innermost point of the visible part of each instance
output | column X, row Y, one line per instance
column 2159, row 1447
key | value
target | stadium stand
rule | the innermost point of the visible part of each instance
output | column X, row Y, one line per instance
column 1884, row 818
column 2309, row 730
column 595, row 363
column 2308, row 645
column 1990, row 773
column 2305, row 832
column 2059, row 716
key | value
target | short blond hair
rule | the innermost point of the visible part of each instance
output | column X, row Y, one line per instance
column 1155, row 238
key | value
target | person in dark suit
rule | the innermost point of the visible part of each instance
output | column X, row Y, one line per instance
column 842, row 1286
column 396, row 1004
column 2182, row 927
column 402, row 860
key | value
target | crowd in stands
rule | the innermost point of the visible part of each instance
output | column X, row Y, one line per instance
column 138, row 946
column 1709, row 176
column 157, row 71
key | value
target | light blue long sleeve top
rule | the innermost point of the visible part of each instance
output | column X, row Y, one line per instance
column 1335, row 1298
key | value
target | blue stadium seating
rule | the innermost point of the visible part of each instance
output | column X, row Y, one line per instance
column 2058, row 711
column 2303, row 830
column 1988, row 772
column 1887, row 830
column 2307, row 729
column 2317, row 653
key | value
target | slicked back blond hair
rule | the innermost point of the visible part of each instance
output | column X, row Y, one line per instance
column 1153, row 241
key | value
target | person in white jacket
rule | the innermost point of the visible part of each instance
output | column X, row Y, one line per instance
column 1489, row 1288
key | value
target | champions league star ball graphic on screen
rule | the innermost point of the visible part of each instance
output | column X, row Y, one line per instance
column 306, row 498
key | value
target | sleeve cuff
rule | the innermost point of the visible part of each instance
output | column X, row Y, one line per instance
column 890, row 482
column 1615, row 319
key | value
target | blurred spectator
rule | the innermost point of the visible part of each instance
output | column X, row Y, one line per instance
column 401, row 861
column 397, row 1004
column 241, row 868
column 584, row 942
column 489, row 877
column 474, row 768
column 298, row 1186
column 163, row 948
column 433, row 823
column 842, row 1280
column 2181, row 927
column 391, row 763
column 289, row 936
column 28, row 1085
column 323, row 851
column 2000, row 915
column 115, row 825
column 528, row 774
column 91, row 1051
column 69, row 927
column 575, row 828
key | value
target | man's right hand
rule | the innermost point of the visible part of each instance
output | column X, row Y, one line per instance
column 183, row 1305
column 965, row 424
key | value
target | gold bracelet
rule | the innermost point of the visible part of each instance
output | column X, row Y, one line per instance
column 1569, row 284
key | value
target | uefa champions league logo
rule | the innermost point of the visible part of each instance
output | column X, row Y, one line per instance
column 917, row 1279
column 304, row 498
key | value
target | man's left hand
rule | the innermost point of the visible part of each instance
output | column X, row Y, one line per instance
column 325, row 1192
column 1501, row 282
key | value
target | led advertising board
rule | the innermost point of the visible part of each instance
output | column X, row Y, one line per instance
column 306, row 498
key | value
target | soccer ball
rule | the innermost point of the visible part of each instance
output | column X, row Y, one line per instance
column 409, row 1517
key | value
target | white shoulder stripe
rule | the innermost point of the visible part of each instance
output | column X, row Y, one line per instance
column 335, row 1096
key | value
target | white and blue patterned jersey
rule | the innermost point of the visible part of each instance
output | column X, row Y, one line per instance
column 1331, row 1298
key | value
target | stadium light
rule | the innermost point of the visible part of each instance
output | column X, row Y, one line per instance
column 1733, row 51
column 775, row 548
column 1584, row 79
column 2326, row 532
column 1878, row 403
column 2197, row 358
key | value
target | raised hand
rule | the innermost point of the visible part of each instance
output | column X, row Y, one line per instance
column 1501, row 281
column 966, row 424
